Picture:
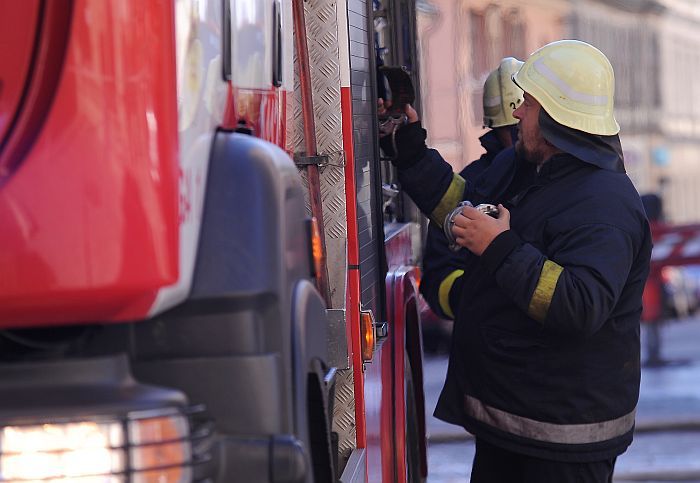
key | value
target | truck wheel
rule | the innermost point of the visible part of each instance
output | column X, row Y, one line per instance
column 319, row 432
column 413, row 457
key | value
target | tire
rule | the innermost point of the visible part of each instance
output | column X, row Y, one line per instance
column 412, row 456
column 319, row 433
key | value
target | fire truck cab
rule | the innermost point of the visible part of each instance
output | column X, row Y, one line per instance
column 200, row 278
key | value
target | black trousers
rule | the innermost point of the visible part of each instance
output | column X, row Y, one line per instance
column 496, row 465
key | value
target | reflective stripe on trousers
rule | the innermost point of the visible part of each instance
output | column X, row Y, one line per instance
column 548, row 432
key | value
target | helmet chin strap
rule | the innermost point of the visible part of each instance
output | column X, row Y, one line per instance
column 602, row 151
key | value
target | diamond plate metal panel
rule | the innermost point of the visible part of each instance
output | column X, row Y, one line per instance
column 344, row 413
column 322, row 35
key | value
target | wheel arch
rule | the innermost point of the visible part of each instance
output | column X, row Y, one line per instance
column 406, row 339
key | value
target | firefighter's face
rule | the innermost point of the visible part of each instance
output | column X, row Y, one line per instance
column 530, row 145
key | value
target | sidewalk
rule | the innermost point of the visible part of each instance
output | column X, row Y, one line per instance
column 670, row 395
column 667, row 438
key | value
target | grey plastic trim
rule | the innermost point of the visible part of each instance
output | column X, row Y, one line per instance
column 355, row 469
column 338, row 355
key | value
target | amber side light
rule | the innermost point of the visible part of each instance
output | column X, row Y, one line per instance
column 367, row 334
column 316, row 247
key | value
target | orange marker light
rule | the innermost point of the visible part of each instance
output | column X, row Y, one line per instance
column 316, row 248
column 367, row 333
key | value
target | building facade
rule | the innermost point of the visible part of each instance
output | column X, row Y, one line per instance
column 461, row 42
column 654, row 46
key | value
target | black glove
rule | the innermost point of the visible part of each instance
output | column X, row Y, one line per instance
column 410, row 145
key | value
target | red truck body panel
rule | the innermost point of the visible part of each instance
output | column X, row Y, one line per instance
column 18, row 26
column 90, row 216
column 674, row 245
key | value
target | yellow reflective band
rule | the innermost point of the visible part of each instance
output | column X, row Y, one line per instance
column 449, row 200
column 539, row 304
column 444, row 292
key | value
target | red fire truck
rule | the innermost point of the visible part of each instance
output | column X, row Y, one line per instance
column 179, row 299
column 674, row 246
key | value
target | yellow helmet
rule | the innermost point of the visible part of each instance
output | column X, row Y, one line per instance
column 574, row 82
column 501, row 95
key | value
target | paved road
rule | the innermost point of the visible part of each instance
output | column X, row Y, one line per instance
column 667, row 442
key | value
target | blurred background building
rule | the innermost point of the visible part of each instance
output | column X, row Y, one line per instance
column 654, row 46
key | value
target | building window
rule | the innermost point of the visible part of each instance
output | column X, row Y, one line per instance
column 495, row 33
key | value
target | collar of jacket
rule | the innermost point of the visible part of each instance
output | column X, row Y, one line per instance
column 498, row 176
column 557, row 166
column 490, row 142
column 604, row 152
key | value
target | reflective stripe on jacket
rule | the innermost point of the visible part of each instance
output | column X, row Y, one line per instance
column 546, row 353
column 442, row 267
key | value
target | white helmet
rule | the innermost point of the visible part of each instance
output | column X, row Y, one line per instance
column 501, row 95
column 575, row 83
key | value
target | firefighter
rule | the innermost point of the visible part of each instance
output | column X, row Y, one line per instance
column 442, row 267
column 544, row 367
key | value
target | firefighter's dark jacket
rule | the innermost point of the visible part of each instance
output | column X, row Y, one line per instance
column 545, row 355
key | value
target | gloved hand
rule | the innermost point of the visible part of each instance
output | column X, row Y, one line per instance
column 406, row 146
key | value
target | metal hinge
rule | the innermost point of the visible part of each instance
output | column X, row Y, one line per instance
column 331, row 159
column 381, row 330
column 303, row 160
